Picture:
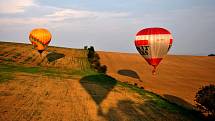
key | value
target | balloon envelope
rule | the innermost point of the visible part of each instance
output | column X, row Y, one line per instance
column 40, row 38
column 153, row 44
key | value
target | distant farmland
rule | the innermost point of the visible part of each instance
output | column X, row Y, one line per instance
column 178, row 77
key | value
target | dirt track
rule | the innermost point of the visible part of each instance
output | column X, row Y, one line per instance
column 178, row 78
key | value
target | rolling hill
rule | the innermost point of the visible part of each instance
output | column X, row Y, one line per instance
column 60, row 85
column 178, row 77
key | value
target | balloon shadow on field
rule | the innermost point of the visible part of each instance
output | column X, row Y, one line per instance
column 129, row 73
column 125, row 110
column 178, row 101
column 52, row 56
column 98, row 86
column 149, row 110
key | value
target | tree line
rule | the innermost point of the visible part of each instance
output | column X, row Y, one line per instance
column 94, row 60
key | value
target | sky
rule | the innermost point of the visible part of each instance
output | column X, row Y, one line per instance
column 111, row 25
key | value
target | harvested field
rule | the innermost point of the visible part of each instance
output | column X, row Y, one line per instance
column 31, row 95
column 52, row 57
column 59, row 85
column 178, row 77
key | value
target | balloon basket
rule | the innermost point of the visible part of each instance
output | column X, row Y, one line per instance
column 154, row 70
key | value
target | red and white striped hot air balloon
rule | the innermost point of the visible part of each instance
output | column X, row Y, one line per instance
column 153, row 44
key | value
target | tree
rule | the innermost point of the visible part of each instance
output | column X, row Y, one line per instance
column 85, row 47
column 91, row 49
column 205, row 99
column 211, row 55
column 91, row 53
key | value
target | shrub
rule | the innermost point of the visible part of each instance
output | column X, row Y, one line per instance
column 95, row 64
column 205, row 99
column 102, row 69
column 90, row 55
column 94, row 58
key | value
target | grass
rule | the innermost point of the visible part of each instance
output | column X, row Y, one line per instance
column 10, row 69
column 14, row 68
column 161, row 103
column 104, row 80
column 7, row 71
column 152, row 100
column 5, row 77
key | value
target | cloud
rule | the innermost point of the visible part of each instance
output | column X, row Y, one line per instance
column 23, row 21
column 191, row 28
column 15, row 6
column 63, row 14
column 72, row 13
column 56, row 15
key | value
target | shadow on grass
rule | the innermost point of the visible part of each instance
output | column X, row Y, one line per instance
column 178, row 101
column 129, row 73
column 153, row 108
column 52, row 56
column 150, row 111
column 98, row 86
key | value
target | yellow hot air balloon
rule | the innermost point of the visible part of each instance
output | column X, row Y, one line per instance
column 40, row 38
